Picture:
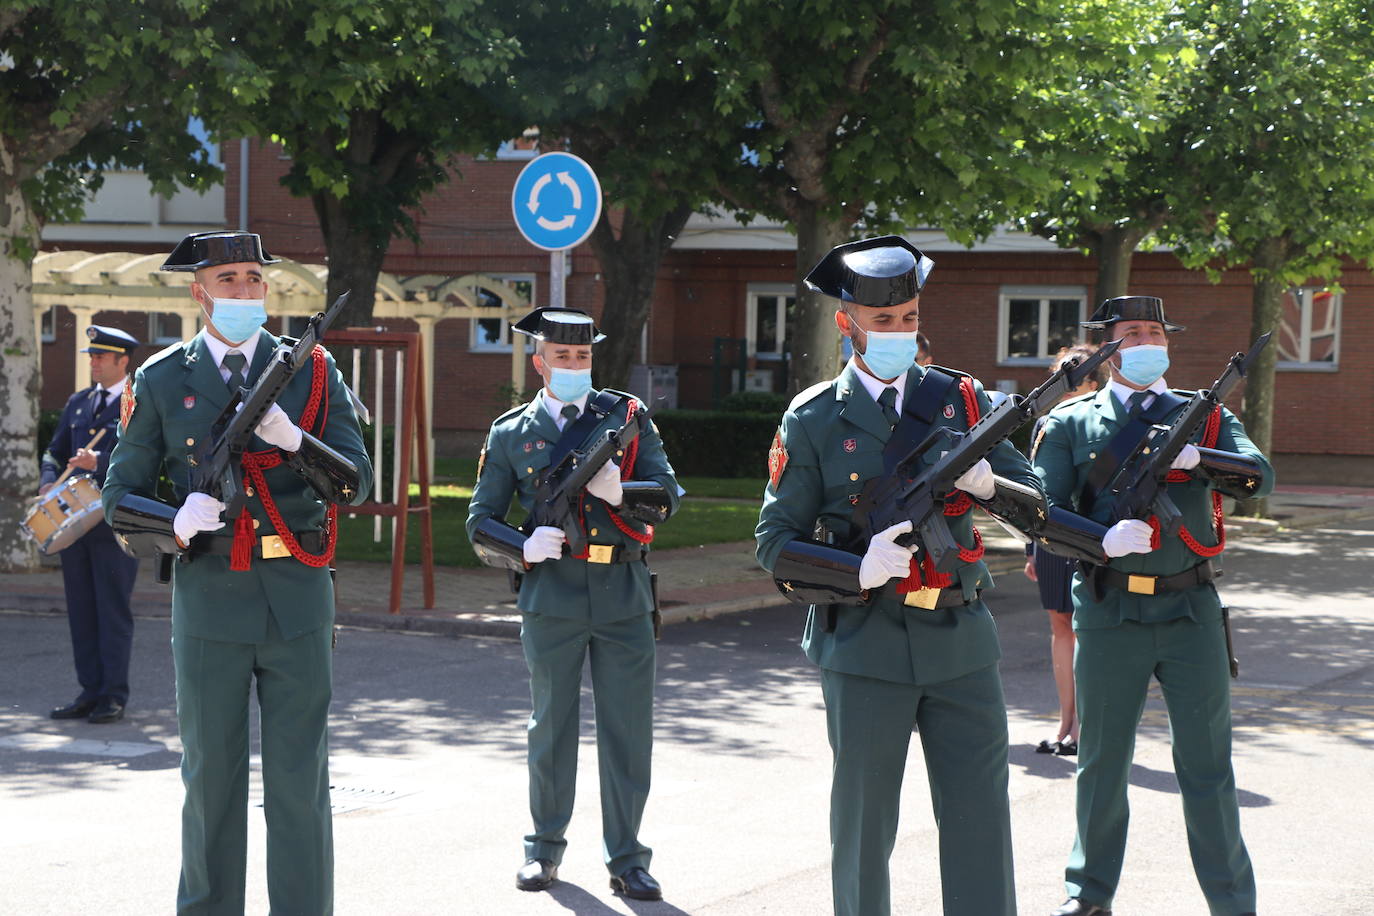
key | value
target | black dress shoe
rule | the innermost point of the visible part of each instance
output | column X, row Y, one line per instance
column 107, row 711
column 536, row 875
column 637, row 884
column 77, row 709
column 1076, row 907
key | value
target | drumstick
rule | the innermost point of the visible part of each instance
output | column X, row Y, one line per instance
column 71, row 467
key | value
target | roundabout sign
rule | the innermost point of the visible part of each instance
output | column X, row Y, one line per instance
column 556, row 201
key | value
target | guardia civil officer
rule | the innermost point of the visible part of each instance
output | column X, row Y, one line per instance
column 1149, row 609
column 252, row 597
column 97, row 576
column 922, row 650
column 597, row 605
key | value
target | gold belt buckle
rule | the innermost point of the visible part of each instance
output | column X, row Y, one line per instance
column 923, row 598
column 1140, row 585
column 273, row 547
column 600, row 553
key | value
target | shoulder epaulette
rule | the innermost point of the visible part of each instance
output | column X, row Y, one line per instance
column 947, row 371
column 162, row 354
column 808, row 395
column 514, row 411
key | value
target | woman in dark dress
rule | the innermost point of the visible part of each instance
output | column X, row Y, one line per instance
column 1054, row 575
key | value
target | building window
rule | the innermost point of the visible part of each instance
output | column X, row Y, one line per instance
column 1310, row 329
column 1035, row 322
column 769, row 310
column 164, row 328
column 493, row 335
column 523, row 148
column 47, row 325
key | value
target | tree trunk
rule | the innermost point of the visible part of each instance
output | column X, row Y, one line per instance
column 1266, row 307
column 20, row 378
column 815, row 354
column 354, row 258
column 629, row 268
column 1114, row 249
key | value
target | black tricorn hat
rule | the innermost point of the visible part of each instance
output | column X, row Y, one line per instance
column 876, row 272
column 565, row 326
column 206, row 249
column 109, row 340
column 1129, row 308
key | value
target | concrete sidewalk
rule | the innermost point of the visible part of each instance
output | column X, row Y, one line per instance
column 694, row 583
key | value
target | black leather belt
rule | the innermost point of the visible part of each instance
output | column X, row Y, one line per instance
column 1153, row 585
column 266, row 547
column 930, row 599
column 610, row 554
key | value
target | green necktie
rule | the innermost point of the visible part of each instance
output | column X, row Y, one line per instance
column 888, row 401
column 569, row 413
column 1137, row 401
column 235, row 362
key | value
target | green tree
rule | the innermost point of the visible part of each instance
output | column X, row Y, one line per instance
column 370, row 100
column 83, row 87
column 879, row 115
column 602, row 81
column 1280, row 174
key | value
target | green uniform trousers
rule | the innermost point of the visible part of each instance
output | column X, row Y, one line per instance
column 962, row 724
column 214, row 680
column 1112, row 668
column 622, row 656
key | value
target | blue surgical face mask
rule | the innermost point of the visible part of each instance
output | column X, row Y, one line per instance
column 569, row 384
column 238, row 319
column 1141, row 365
column 890, row 353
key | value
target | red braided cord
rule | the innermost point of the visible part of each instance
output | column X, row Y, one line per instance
column 627, row 466
column 1210, row 433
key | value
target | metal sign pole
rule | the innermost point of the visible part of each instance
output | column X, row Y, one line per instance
column 558, row 280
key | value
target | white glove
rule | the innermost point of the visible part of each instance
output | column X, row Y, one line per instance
column 1187, row 459
column 199, row 513
column 885, row 558
column 276, row 428
column 544, row 543
column 977, row 480
column 606, row 484
column 1127, row 536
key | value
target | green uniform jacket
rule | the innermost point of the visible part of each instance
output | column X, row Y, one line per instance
column 517, row 451
column 834, row 435
column 1074, row 434
column 178, row 393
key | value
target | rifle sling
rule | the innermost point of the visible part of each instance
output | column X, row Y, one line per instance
column 918, row 412
column 1123, row 445
column 576, row 433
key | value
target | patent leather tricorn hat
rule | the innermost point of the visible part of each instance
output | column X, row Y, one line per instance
column 565, row 326
column 1129, row 308
column 206, row 249
column 877, row 272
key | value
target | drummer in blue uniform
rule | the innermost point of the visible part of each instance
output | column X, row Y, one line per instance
column 98, row 577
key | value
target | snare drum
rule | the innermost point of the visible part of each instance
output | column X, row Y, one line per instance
column 65, row 514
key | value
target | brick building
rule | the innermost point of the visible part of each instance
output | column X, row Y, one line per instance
column 997, row 311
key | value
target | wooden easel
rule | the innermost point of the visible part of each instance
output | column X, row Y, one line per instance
column 411, row 439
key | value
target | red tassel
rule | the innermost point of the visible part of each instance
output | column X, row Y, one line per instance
column 241, row 555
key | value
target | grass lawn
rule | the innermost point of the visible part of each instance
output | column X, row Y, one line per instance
column 697, row 522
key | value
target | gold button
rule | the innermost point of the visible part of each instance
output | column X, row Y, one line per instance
column 1145, row 451
column 592, row 532
column 854, row 476
column 248, row 491
column 256, row 523
column 619, row 452
column 529, row 470
column 1092, row 454
column 190, row 441
column 91, row 431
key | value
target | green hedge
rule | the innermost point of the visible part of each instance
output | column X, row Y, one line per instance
column 713, row 443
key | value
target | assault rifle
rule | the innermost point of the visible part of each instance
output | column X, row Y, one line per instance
column 558, row 491
column 1137, row 489
column 911, row 493
column 217, row 467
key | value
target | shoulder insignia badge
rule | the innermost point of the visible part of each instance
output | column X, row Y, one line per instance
column 527, row 446
column 851, row 444
column 777, row 459
column 481, row 462
column 189, row 401
column 949, row 411
column 126, row 407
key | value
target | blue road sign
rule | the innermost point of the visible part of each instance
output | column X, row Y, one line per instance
column 556, row 201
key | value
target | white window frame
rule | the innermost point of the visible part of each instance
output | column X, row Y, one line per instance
column 162, row 340
column 1044, row 294
column 1304, row 362
column 751, row 312
column 475, row 342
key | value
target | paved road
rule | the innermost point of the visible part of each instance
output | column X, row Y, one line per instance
column 429, row 780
